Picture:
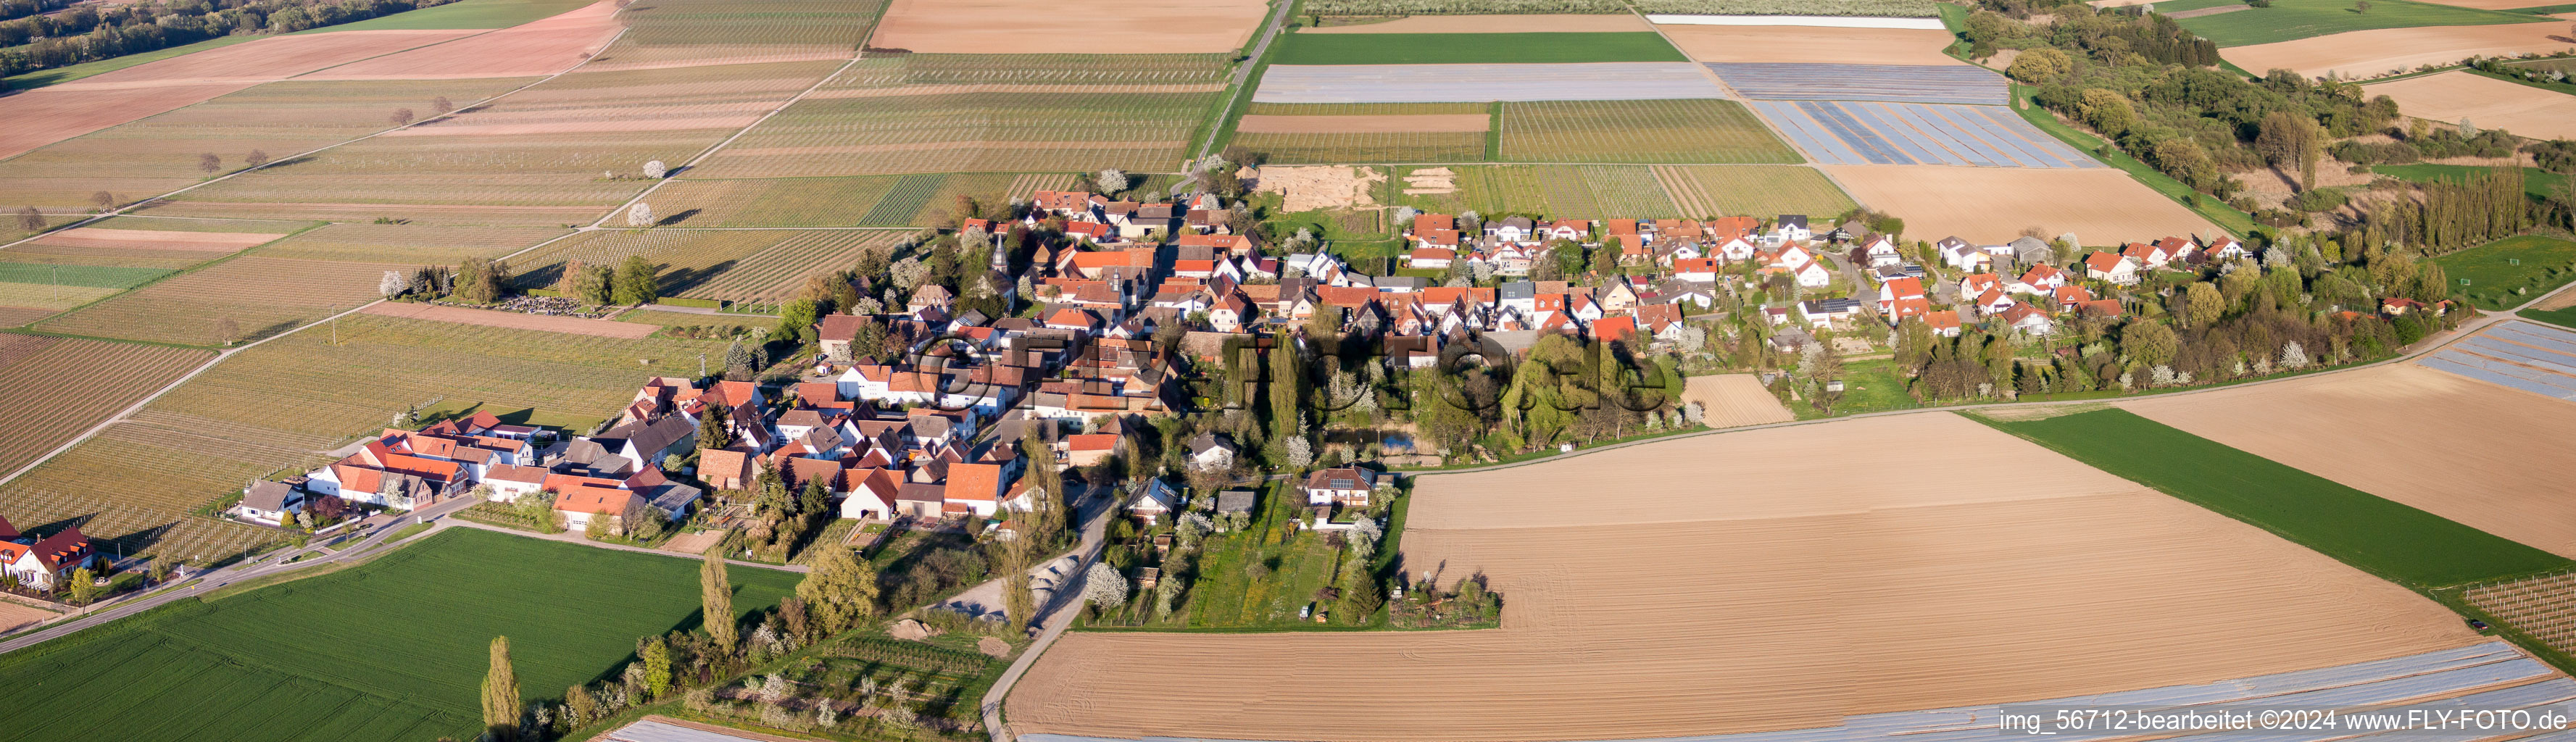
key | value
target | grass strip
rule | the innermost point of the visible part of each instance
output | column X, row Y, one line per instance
column 2395, row 541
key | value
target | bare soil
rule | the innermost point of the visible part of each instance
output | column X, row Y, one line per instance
column 1093, row 27
column 14, row 616
column 1750, row 581
column 2484, row 455
column 1735, row 399
column 537, row 48
column 514, row 320
column 1812, row 44
column 2488, row 102
column 154, row 239
column 1308, row 188
column 2378, row 52
column 1988, row 205
column 1265, row 124
column 1534, row 23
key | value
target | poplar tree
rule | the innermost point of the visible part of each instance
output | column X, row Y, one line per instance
column 717, row 599
column 501, row 693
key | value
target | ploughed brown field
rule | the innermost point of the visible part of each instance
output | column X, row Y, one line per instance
column 513, row 320
column 1812, row 44
column 1266, row 124
column 1089, row 27
column 156, row 239
column 14, row 616
column 1533, row 23
column 2102, row 206
column 2484, row 455
column 537, row 48
column 2486, row 101
column 1735, row 399
column 52, row 114
column 1746, row 581
column 2380, row 51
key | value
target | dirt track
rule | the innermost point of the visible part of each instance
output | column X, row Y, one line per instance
column 533, row 49
column 2102, row 206
column 1013, row 26
column 514, row 320
column 1812, row 44
column 2486, row 101
column 1735, row 399
column 2490, row 457
column 1533, row 23
column 1766, row 584
column 2379, row 51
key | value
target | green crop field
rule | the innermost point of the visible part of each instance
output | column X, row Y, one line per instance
column 2394, row 541
column 841, row 24
column 1475, row 48
column 2507, row 272
column 257, row 296
column 94, row 276
column 2562, row 316
column 2298, row 19
column 464, row 14
column 1754, row 190
column 1639, row 131
column 390, row 650
column 1488, row 189
column 159, row 154
column 407, row 243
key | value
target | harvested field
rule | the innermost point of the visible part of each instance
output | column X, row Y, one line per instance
column 63, row 387
column 14, row 616
column 1480, row 83
column 96, row 102
column 406, row 243
column 1678, row 131
column 153, row 239
column 1659, row 612
column 1956, row 83
column 2498, row 469
column 1450, row 122
column 512, row 320
column 731, row 265
column 2101, row 205
column 2491, row 103
column 1855, row 133
column 1319, row 187
column 1751, row 190
column 2377, row 52
column 245, row 298
column 1856, row 46
column 538, row 48
column 1735, row 399
column 1534, row 23
column 1150, row 26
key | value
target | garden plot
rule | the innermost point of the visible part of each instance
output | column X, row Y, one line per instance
column 1481, row 83
column 1657, row 609
column 1857, row 133
column 2488, row 102
column 2499, row 470
column 533, row 49
column 2521, row 355
column 1879, row 82
column 1979, row 203
column 2359, row 54
column 59, row 112
column 1147, row 27
column 1853, row 46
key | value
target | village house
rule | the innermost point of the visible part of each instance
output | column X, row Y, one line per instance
column 42, row 564
column 273, row 503
column 1344, row 486
column 2104, row 266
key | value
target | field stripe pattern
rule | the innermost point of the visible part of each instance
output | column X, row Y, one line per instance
column 1867, row 133
column 63, row 387
column 1880, row 82
column 1483, row 83
column 2522, row 355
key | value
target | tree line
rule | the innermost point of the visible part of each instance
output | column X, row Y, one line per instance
column 98, row 31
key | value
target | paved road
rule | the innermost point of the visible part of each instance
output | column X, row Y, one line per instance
column 1270, row 30
column 1058, row 612
column 262, row 566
